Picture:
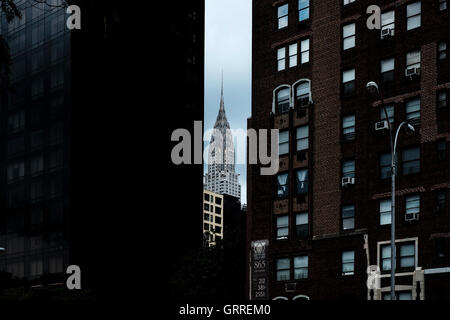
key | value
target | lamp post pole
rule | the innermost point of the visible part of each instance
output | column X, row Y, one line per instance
column 373, row 87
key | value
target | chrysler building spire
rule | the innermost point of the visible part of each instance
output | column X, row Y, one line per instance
column 221, row 177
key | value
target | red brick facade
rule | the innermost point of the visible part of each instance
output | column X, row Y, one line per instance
column 327, row 148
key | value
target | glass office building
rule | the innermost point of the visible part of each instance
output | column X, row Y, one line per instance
column 34, row 140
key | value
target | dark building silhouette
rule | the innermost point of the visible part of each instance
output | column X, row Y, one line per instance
column 86, row 134
column 325, row 216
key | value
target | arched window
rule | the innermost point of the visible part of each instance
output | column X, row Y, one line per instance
column 281, row 99
column 302, row 93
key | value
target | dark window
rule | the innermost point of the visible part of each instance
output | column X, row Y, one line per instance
column 442, row 50
column 348, row 127
column 439, row 244
column 385, row 165
column 348, row 82
column 411, row 161
column 348, row 217
column 281, row 59
column 218, row 220
column 283, row 99
column 390, row 113
column 218, row 200
column 412, row 204
column 302, row 138
column 302, row 94
column 301, row 267
column 206, row 207
column 283, row 269
column 413, row 111
column 442, row 99
column 218, row 210
column 302, row 181
column 407, row 255
column 282, row 185
column 441, row 148
column 440, row 200
column 283, row 11
column 283, row 142
column 348, row 263
column 206, row 197
column 301, row 225
column 387, row 70
column 282, row 227
column 303, row 10
column 386, row 257
column 348, row 169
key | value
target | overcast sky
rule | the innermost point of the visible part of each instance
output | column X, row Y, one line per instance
column 228, row 46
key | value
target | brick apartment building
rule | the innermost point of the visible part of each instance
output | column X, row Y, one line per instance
column 311, row 63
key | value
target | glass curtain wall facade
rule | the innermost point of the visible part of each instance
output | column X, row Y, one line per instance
column 34, row 139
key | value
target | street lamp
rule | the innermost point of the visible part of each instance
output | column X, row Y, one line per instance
column 372, row 88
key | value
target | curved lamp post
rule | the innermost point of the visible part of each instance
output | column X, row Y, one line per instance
column 372, row 88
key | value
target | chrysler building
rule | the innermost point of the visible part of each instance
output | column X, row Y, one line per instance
column 222, row 177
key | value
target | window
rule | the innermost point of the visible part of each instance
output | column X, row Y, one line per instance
column 283, row 16
column 37, row 87
column 302, row 94
column 37, row 165
column 411, row 161
column 440, row 200
column 386, row 257
column 218, row 200
column 301, row 225
column 348, row 82
column 348, row 217
column 412, row 204
column 385, row 212
column 37, row 61
column 282, row 183
column 57, row 77
column 388, row 21
column 304, row 48
column 402, row 295
column 303, row 138
column 16, row 122
column 413, row 111
column 442, row 99
column 413, row 15
column 348, row 263
column 218, row 210
column 348, row 127
column 37, row 35
column 283, row 269
column 348, row 168
column 389, row 111
column 413, row 59
column 407, row 255
column 283, row 143
column 292, row 55
column 442, row 5
column 281, row 57
column 206, row 197
column 36, row 191
column 348, row 36
column 346, row 2
column 283, row 99
column 442, row 50
column 387, row 70
column 302, row 181
column 206, row 217
column 385, row 165
column 441, row 149
column 282, row 227
column 15, row 171
column 301, row 267
column 303, row 10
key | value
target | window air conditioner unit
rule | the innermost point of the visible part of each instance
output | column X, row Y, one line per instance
column 411, row 72
column 386, row 33
column 347, row 181
column 382, row 125
column 290, row 287
column 412, row 216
